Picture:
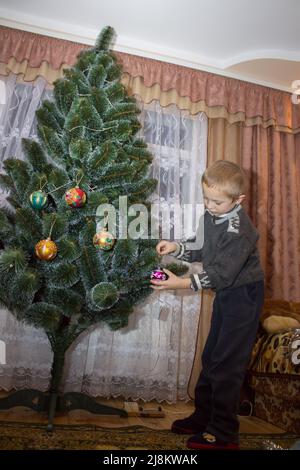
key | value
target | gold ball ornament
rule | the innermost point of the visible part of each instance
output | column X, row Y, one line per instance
column 104, row 240
column 46, row 250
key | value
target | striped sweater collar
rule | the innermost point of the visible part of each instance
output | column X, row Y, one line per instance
column 219, row 220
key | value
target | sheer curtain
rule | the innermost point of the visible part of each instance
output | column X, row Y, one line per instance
column 152, row 357
column 17, row 119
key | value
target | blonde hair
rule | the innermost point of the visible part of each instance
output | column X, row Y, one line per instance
column 226, row 176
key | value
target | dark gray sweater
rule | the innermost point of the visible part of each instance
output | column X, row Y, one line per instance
column 229, row 254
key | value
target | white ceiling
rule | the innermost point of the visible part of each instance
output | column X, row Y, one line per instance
column 254, row 40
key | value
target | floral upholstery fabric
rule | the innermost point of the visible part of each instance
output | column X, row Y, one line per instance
column 273, row 353
column 274, row 375
column 280, row 412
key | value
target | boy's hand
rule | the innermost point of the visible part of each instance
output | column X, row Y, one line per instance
column 173, row 282
column 164, row 247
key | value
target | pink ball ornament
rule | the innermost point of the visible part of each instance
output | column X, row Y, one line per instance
column 159, row 275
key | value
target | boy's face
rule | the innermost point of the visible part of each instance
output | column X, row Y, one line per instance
column 218, row 203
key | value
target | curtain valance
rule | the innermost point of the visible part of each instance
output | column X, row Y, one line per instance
column 32, row 55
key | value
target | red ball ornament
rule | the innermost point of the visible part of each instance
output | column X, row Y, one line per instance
column 75, row 197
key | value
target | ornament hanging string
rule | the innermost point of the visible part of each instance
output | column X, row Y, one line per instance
column 91, row 129
column 59, row 187
column 41, row 179
column 51, row 228
column 64, row 185
column 76, row 179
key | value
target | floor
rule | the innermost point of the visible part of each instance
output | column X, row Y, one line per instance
column 180, row 410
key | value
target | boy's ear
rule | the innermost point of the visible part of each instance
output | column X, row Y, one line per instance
column 240, row 199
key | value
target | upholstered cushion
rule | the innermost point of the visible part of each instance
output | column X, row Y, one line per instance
column 272, row 354
column 278, row 324
column 280, row 315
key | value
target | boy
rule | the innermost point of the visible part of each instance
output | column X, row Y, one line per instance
column 231, row 268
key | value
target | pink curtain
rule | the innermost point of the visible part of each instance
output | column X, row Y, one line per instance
column 271, row 107
column 36, row 48
column 272, row 161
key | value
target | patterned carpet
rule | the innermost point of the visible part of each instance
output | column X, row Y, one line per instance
column 29, row 436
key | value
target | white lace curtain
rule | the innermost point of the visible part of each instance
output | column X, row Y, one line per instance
column 152, row 357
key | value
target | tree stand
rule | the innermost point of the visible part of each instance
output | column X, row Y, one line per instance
column 52, row 401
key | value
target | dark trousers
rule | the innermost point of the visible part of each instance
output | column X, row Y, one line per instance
column 226, row 354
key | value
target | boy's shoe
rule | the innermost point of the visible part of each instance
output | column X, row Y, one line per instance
column 189, row 425
column 206, row 441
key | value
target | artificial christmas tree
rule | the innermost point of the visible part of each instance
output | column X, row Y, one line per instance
column 56, row 272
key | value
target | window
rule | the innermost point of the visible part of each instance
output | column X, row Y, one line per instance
column 178, row 142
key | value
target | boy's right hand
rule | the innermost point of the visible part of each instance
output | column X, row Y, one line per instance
column 164, row 247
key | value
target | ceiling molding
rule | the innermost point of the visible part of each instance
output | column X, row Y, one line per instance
column 260, row 54
column 149, row 50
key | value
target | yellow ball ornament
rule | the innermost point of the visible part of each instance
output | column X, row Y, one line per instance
column 104, row 240
column 46, row 249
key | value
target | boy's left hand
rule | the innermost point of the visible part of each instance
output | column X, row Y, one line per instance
column 173, row 282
